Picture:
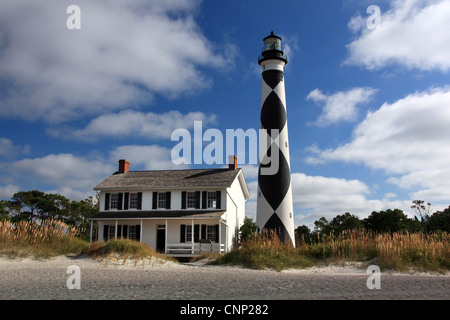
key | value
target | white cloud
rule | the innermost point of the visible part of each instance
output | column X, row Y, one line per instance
column 124, row 54
column 135, row 124
column 7, row 191
column 10, row 151
column 151, row 157
column 69, row 175
column 340, row 106
column 413, row 34
column 408, row 138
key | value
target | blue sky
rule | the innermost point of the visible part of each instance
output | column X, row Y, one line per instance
column 368, row 109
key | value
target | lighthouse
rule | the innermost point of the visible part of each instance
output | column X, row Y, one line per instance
column 274, row 211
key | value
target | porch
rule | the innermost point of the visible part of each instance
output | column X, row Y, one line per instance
column 176, row 237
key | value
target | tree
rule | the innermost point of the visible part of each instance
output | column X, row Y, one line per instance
column 322, row 226
column 248, row 229
column 303, row 234
column 346, row 221
column 439, row 221
column 4, row 212
column 80, row 211
column 391, row 221
column 25, row 205
column 423, row 212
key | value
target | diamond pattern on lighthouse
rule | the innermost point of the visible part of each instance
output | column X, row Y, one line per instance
column 273, row 188
column 282, row 180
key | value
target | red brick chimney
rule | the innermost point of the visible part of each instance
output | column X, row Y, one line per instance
column 232, row 162
column 124, row 166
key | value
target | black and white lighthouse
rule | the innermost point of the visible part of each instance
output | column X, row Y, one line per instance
column 274, row 206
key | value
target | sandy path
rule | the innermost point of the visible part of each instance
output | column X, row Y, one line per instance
column 29, row 279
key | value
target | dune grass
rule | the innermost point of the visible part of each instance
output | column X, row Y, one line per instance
column 124, row 249
column 399, row 251
column 44, row 240
column 52, row 238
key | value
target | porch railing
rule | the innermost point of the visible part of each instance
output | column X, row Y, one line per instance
column 194, row 248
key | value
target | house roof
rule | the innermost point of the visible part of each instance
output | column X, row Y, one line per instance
column 157, row 214
column 167, row 179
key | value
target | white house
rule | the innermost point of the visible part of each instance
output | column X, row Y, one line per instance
column 177, row 212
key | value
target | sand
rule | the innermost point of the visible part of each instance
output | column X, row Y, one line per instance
column 153, row 279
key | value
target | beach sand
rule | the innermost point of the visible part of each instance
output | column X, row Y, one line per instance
column 154, row 279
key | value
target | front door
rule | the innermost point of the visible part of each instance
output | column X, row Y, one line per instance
column 161, row 239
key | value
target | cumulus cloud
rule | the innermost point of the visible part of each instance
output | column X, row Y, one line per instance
column 10, row 151
column 129, row 123
column 7, row 191
column 407, row 139
column 413, row 34
column 151, row 157
column 67, row 174
column 340, row 106
column 124, row 54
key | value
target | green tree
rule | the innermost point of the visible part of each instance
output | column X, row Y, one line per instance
column 303, row 234
column 322, row 226
column 439, row 221
column 391, row 221
column 80, row 211
column 4, row 212
column 346, row 221
column 25, row 205
column 248, row 229
column 422, row 211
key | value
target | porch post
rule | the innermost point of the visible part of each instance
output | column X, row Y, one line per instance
column 142, row 227
column 90, row 234
column 165, row 234
column 115, row 232
column 220, row 238
column 192, row 236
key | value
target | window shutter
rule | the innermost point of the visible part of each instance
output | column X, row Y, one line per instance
column 138, row 232
column 204, row 199
column 119, row 231
column 217, row 233
column 139, row 204
column 168, row 200
column 196, row 232
column 125, row 202
column 105, row 233
column 183, row 200
column 197, row 199
column 182, row 233
column 125, row 231
column 106, row 201
column 203, row 237
column 119, row 201
column 155, row 200
column 218, row 200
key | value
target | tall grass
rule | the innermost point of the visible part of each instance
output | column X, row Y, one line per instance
column 399, row 251
column 53, row 238
column 124, row 249
column 45, row 239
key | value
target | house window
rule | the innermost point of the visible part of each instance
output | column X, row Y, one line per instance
column 191, row 199
column 212, row 199
column 162, row 198
column 132, row 232
column 133, row 201
column 211, row 233
column 112, row 232
column 188, row 233
column 114, row 201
